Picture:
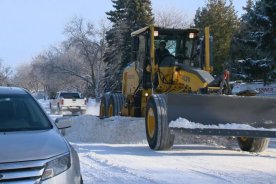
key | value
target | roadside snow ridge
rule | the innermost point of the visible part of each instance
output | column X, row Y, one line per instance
column 184, row 123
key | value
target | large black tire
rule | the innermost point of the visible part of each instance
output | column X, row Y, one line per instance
column 115, row 104
column 253, row 144
column 158, row 133
column 104, row 105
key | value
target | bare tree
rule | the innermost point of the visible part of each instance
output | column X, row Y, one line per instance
column 172, row 18
column 24, row 78
column 5, row 73
column 77, row 64
column 69, row 67
column 91, row 45
column 104, row 26
column 53, row 69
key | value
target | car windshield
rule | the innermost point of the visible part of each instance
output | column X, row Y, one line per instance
column 21, row 112
column 70, row 95
column 177, row 44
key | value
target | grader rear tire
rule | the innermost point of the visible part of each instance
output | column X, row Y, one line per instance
column 157, row 126
column 104, row 105
column 115, row 104
column 253, row 144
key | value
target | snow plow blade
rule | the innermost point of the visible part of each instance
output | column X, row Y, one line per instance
column 255, row 111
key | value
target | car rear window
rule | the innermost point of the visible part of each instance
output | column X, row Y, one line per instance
column 70, row 95
column 21, row 112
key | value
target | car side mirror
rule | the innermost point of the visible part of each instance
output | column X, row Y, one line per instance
column 62, row 124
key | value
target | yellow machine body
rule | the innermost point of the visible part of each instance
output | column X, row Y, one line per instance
column 174, row 79
column 179, row 84
column 130, row 80
column 137, row 80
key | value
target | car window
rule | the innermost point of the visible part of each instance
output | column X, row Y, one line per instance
column 70, row 95
column 21, row 112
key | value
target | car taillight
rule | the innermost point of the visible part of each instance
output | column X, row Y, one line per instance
column 61, row 101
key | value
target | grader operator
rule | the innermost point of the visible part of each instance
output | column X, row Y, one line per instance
column 179, row 84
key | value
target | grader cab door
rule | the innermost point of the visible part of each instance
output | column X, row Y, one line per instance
column 141, row 55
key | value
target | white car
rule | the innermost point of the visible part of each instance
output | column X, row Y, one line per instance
column 32, row 150
column 71, row 102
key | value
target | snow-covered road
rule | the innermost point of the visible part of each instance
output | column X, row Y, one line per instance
column 136, row 163
column 114, row 150
column 212, row 160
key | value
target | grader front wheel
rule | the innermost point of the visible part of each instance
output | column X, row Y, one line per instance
column 157, row 126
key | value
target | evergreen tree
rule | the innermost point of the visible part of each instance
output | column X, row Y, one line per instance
column 241, row 44
column 222, row 19
column 264, row 20
column 255, row 42
column 113, row 53
column 128, row 16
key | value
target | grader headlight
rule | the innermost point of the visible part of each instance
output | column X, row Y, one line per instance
column 191, row 35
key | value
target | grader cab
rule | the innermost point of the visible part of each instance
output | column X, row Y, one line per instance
column 179, row 84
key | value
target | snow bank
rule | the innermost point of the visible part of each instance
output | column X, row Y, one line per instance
column 184, row 123
column 122, row 130
column 126, row 130
column 119, row 130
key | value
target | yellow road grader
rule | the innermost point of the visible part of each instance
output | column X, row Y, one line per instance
column 180, row 85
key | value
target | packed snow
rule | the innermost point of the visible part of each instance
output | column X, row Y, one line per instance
column 184, row 123
column 197, row 164
column 115, row 150
column 115, row 130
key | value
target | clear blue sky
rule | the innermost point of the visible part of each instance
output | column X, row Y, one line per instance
column 27, row 27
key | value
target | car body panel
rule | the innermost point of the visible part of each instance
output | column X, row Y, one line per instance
column 25, row 151
column 70, row 176
column 31, row 145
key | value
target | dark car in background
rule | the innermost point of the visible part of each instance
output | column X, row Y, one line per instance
column 31, row 148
